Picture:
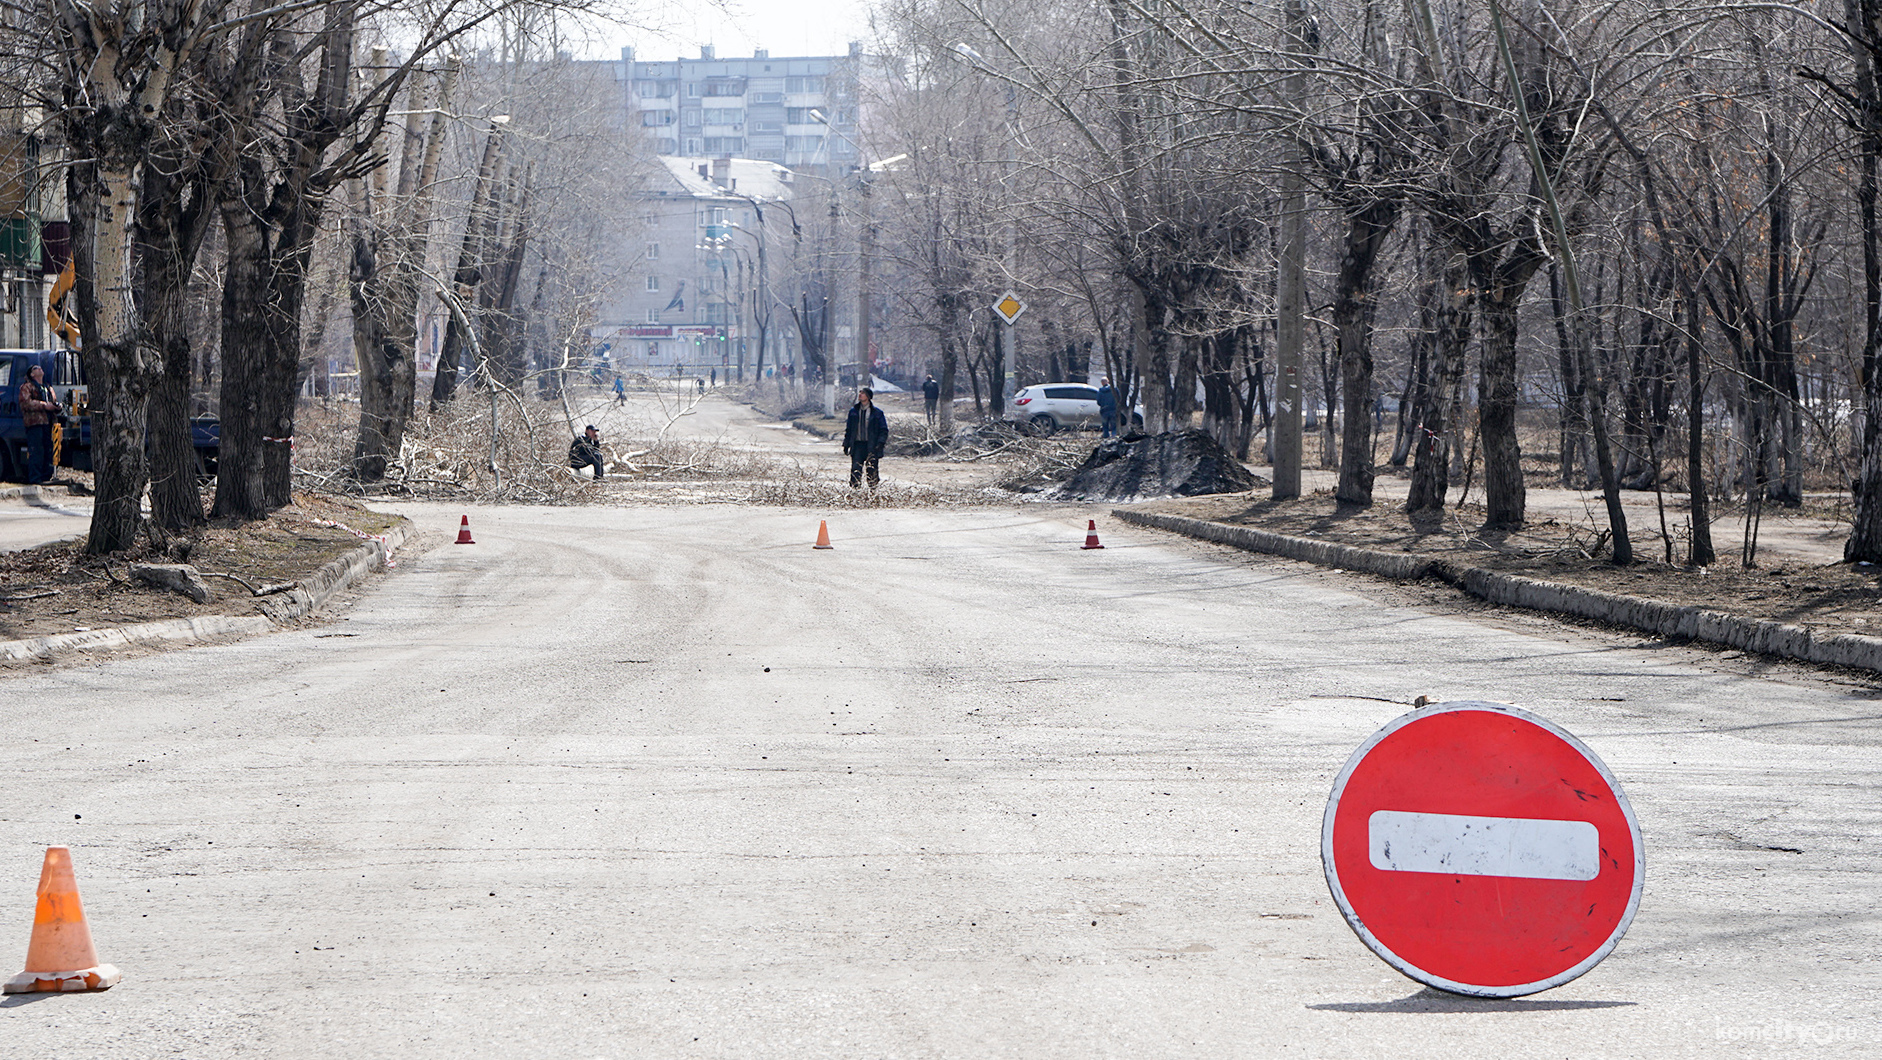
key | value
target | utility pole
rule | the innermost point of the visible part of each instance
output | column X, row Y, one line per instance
column 1290, row 301
column 865, row 246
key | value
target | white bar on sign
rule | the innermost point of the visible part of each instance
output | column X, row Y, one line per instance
column 1484, row 846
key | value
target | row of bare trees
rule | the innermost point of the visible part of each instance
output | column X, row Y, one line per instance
column 1647, row 232
column 261, row 129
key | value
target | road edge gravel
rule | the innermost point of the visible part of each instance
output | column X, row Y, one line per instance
column 304, row 599
column 1674, row 621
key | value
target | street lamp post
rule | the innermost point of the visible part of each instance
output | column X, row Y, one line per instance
column 733, row 297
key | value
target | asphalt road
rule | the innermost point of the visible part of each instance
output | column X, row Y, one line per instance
column 49, row 517
column 669, row 783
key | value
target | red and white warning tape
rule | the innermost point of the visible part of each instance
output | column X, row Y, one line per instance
column 364, row 536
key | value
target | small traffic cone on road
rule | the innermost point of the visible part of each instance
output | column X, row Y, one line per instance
column 61, row 956
column 463, row 532
column 823, row 534
column 1091, row 534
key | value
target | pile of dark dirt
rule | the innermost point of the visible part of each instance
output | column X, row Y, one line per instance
column 1174, row 464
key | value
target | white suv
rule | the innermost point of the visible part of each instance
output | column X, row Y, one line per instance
column 1051, row 406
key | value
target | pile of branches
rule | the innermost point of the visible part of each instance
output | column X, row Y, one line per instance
column 514, row 451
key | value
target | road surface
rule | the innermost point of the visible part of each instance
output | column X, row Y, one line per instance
column 46, row 517
column 669, row 783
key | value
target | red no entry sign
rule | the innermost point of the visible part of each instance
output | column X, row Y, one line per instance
column 1482, row 850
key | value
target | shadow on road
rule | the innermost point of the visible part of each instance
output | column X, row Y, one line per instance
column 1430, row 1000
column 16, row 1000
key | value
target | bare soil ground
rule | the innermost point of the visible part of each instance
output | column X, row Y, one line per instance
column 57, row 588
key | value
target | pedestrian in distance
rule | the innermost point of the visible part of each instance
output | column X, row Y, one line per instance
column 620, row 392
column 931, row 397
column 585, row 452
column 1107, row 408
column 715, row 377
column 37, row 408
column 864, row 438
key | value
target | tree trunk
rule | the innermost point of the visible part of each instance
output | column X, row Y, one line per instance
column 1865, row 535
column 173, row 216
column 1221, row 415
column 240, row 492
column 1504, row 492
column 100, row 205
column 1701, row 510
column 1353, row 310
column 1431, row 463
column 465, row 278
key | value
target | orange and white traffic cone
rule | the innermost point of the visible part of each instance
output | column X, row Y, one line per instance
column 61, row 956
column 463, row 532
column 823, row 534
column 1091, row 534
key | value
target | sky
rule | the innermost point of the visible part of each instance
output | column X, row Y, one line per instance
column 737, row 27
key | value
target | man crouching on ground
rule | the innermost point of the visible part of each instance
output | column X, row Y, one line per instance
column 585, row 452
column 864, row 439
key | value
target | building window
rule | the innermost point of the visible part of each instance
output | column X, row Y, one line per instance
column 803, row 84
column 692, row 91
column 765, row 97
column 772, row 127
column 803, row 144
column 723, row 145
column 693, row 147
column 725, row 116
column 653, row 316
column 653, row 351
column 653, row 252
column 651, row 119
column 653, row 283
column 800, row 116
column 725, row 88
column 649, row 219
column 692, row 119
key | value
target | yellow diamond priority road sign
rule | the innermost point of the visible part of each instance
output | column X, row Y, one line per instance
column 1009, row 307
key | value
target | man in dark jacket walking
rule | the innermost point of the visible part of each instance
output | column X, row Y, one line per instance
column 864, row 438
column 37, row 409
column 931, row 397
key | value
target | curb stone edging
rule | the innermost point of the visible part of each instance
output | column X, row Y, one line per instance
column 309, row 596
column 1659, row 617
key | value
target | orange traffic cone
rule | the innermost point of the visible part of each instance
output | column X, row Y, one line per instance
column 61, row 956
column 1091, row 534
column 463, row 532
column 823, row 535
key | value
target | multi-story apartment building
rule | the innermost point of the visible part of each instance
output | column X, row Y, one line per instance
column 802, row 113
column 693, row 297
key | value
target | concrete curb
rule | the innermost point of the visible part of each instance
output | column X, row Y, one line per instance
column 296, row 603
column 1653, row 616
column 1400, row 565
